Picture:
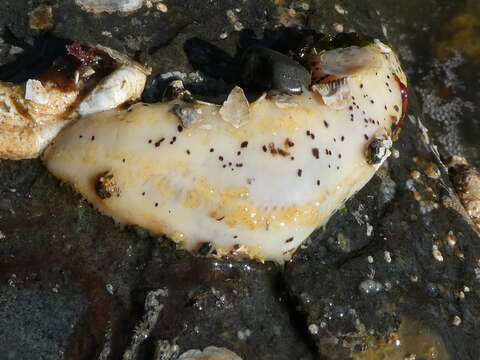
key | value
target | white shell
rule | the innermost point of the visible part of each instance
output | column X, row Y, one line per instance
column 125, row 83
column 109, row 6
column 209, row 353
column 260, row 189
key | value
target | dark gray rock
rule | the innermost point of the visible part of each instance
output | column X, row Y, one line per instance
column 36, row 324
column 399, row 262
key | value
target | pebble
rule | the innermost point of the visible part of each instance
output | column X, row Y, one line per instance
column 339, row 8
column 437, row 253
column 313, row 329
column 370, row 286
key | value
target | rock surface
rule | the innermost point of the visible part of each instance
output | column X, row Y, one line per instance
column 395, row 273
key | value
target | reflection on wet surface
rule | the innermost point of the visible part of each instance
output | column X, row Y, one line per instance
column 412, row 341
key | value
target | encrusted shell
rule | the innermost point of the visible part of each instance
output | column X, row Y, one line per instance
column 109, row 6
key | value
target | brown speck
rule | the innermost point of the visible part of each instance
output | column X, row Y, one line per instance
column 361, row 86
column 289, row 240
column 221, row 218
column 342, row 138
column 318, row 182
column 156, row 204
column 143, row 193
column 299, row 172
column 373, row 102
column 339, row 156
column 283, row 152
column 244, row 144
column 235, row 236
column 289, row 143
column 273, row 151
column 220, row 158
column 180, row 128
column 92, row 138
column 188, row 152
column 239, row 165
column 264, row 148
column 238, row 153
column 80, row 136
column 292, row 158
column 150, row 141
column 123, row 160
column 211, row 149
column 173, row 140
column 157, row 144
column 397, row 109
column 315, row 153
column 365, row 136
column 325, row 123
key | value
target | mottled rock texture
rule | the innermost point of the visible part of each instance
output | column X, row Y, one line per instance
column 401, row 255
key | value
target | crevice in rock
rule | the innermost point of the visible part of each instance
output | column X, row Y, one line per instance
column 298, row 319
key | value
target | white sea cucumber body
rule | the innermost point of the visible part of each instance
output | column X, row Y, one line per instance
column 259, row 189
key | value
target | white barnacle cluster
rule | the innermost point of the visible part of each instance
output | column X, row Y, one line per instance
column 247, row 178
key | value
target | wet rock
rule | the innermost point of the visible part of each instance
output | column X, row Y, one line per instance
column 391, row 236
column 240, row 302
column 36, row 324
